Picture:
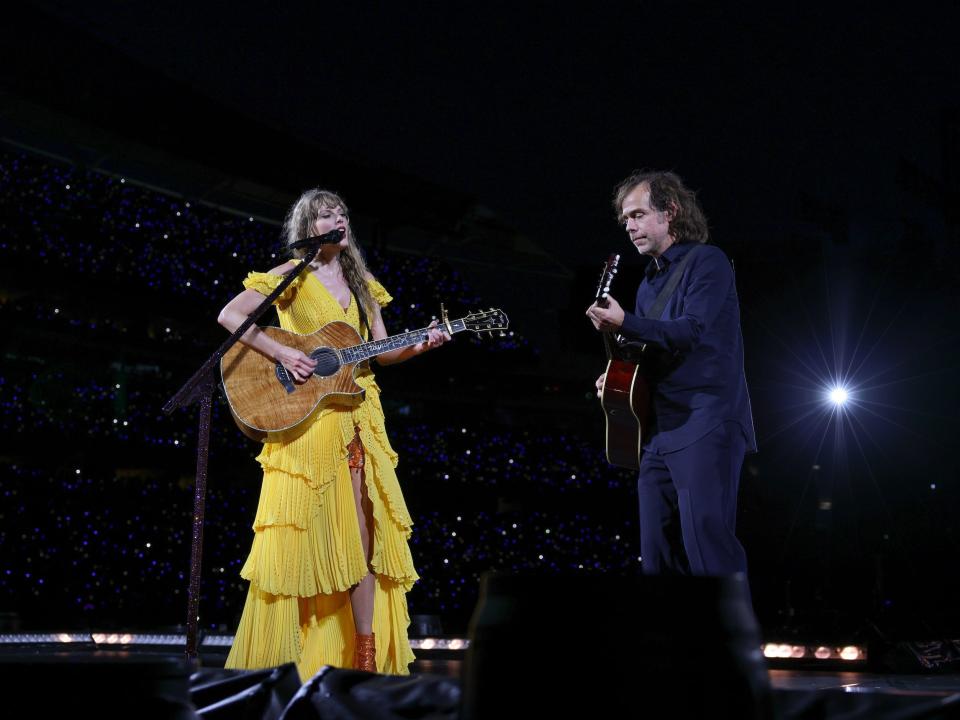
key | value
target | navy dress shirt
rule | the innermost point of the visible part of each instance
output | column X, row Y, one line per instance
column 706, row 385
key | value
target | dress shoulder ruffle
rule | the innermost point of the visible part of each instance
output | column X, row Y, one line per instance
column 266, row 283
column 379, row 292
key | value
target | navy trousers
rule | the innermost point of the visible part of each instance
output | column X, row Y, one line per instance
column 688, row 506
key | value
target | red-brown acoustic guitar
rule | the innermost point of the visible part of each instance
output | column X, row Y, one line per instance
column 625, row 397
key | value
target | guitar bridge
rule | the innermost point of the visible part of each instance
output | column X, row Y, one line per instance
column 284, row 377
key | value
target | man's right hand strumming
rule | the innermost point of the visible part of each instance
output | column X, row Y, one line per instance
column 600, row 381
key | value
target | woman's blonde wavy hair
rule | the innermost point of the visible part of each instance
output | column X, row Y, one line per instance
column 298, row 224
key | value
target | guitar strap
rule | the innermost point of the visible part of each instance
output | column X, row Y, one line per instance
column 661, row 302
column 363, row 314
column 363, row 319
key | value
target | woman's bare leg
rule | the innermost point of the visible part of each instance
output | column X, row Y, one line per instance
column 361, row 594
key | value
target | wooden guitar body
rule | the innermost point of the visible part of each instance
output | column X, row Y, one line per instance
column 262, row 402
column 626, row 405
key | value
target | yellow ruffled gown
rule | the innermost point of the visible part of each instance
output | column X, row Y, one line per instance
column 306, row 550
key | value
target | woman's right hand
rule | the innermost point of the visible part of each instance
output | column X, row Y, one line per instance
column 297, row 363
column 600, row 381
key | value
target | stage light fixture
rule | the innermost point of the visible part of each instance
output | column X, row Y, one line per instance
column 851, row 652
column 808, row 653
column 29, row 638
column 434, row 643
column 217, row 640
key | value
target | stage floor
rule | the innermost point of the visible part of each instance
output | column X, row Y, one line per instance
column 798, row 694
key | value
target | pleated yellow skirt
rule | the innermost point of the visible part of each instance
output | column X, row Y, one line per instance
column 307, row 553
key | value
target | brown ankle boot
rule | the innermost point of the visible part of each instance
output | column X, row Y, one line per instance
column 365, row 653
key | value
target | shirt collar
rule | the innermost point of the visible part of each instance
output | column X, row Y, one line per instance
column 672, row 254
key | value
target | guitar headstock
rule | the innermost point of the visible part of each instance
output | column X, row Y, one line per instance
column 486, row 320
column 606, row 278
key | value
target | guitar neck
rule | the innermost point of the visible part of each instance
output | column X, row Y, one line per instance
column 372, row 348
column 609, row 338
column 606, row 280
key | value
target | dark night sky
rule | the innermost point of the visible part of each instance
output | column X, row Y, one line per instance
column 539, row 111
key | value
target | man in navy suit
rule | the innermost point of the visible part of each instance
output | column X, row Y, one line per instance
column 702, row 427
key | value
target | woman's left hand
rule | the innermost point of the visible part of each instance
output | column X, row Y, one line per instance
column 436, row 337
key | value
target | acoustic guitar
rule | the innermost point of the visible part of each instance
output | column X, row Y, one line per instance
column 625, row 397
column 263, row 397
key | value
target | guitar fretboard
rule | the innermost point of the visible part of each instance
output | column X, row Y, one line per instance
column 367, row 350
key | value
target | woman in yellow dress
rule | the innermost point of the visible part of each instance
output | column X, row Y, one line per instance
column 330, row 565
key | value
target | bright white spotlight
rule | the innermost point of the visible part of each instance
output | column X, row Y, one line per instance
column 838, row 396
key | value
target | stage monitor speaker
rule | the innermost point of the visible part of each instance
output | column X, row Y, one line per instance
column 602, row 646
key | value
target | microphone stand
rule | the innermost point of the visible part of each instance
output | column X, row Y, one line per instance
column 199, row 388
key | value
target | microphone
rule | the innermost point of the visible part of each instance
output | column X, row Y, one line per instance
column 328, row 238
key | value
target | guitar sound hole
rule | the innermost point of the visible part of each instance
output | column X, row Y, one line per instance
column 327, row 362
